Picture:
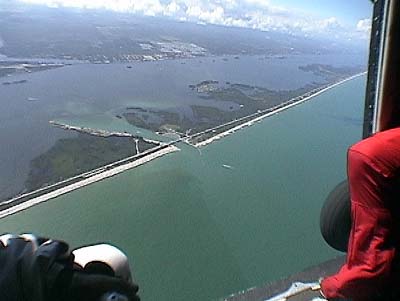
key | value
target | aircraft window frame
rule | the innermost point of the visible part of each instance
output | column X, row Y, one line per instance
column 378, row 30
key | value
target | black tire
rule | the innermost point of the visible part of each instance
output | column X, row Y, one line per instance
column 335, row 219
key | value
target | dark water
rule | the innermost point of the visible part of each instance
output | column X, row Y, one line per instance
column 195, row 230
column 92, row 95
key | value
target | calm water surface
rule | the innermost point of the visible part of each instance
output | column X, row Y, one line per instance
column 195, row 230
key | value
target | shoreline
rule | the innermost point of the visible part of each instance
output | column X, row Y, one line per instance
column 101, row 133
column 291, row 103
column 120, row 166
column 86, row 130
column 88, row 178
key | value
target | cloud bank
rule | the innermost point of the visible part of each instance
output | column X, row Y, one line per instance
column 255, row 14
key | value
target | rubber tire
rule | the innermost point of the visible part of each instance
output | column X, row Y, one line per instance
column 335, row 218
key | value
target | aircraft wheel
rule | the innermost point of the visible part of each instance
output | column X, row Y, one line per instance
column 335, row 219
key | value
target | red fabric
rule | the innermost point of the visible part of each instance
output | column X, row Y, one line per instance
column 373, row 173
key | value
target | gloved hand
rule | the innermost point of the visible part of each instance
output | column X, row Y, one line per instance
column 38, row 269
column 91, row 287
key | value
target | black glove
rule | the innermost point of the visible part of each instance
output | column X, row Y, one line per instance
column 37, row 269
column 24, row 269
column 91, row 287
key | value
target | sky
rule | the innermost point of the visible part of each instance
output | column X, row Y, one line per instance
column 346, row 10
column 340, row 19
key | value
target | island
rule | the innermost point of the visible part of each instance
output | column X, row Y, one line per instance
column 8, row 68
column 235, row 104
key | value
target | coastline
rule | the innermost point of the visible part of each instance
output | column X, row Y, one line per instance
column 89, row 178
column 291, row 103
column 100, row 133
column 86, row 130
column 27, row 200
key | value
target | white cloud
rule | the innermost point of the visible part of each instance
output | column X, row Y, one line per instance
column 194, row 11
column 213, row 15
column 330, row 24
column 266, row 6
column 172, row 9
column 264, row 3
column 364, row 25
column 256, row 14
column 147, row 7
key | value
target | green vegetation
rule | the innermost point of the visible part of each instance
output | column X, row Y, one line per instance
column 73, row 156
column 241, row 103
column 330, row 72
column 243, row 100
column 156, row 120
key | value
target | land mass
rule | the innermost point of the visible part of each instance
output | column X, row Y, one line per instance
column 73, row 156
column 109, row 37
column 8, row 68
column 94, row 155
column 27, row 200
column 330, row 72
column 235, row 103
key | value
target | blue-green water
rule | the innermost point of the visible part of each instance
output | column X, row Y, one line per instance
column 195, row 230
